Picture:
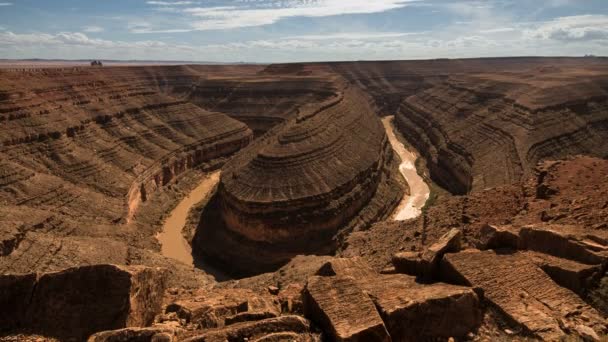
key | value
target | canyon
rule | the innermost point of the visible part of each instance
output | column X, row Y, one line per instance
column 347, row 201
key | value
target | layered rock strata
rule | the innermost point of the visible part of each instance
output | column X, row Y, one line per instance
column 295, row 188
column 481, row 123
column 261, row 102
column 77, row 302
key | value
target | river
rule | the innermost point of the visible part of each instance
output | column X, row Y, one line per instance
column 410, row 205
column 173, row 244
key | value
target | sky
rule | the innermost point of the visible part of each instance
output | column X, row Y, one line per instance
column 271, row 31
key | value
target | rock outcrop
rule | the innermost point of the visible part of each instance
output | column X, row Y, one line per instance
column 353, row 303
column 296, row 188
column 523, row 292
column 487, row 122
column 77, row 302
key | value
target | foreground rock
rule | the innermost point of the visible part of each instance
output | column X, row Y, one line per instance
column 354, row 303
column 426, row 264
column 523, row 292
column 343, row 310
column 77, row 302
column 284, row 328
column 221, row 307
column 294, row 191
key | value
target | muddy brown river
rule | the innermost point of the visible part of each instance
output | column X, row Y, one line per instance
column 173, row 244
column 411, row 205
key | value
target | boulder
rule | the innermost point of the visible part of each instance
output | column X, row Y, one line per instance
column 134, row 334
column 570, row 274
column 417, row 312
column 290, row 299
column 343, row 310
column 79, row 301
column 295, row 328
column 496, row 237
column 426, row 264
column 522, row 291
column 221, row 307
column 348, row 267
column 15, row 293
column 563, row 241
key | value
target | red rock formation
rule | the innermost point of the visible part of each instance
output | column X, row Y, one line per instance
column 77, row 302
column 293, row 190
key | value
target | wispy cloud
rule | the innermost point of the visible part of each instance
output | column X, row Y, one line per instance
column 6, row 3
column 93, row 29
column 170, row 3
column 572, row 28
column 258, row 14
column 355, row 35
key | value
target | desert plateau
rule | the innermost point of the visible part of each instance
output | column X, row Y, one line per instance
column 352, row 201
column 303, row 171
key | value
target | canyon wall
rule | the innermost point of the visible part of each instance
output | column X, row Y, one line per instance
column 80, row 149
column 260, row 102
column 486, row 122
column 295, row 188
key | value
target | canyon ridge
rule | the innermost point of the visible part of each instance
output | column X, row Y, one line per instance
column 432, row 200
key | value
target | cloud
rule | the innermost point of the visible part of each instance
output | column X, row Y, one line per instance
column 93, row 29
column 230, row 17
column 170, row 3
column 6, row 4
column 355, row 35
column 64, row 39
column 572, row 28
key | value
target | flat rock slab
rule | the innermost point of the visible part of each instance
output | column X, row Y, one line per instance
column 570, row 274
column 415, row 312
column 295, row 328
column 523, row 292
column 570, row 242
column 220, row 307
column 343, row 310
column 410, row 311
column 426, row 264
column 79, row 301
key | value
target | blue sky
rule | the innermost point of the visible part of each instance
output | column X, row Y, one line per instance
column 300, row 30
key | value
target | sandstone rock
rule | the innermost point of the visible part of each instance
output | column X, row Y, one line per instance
column 290, row 298
column 587, row 333
column 570, row 274
column 416, row 312
column 220, row 307
column 343, row 310
column 355, row 268
column 15, row 294
column 410, row 263
column 426, row 264
column 299, row 186
column 567, row 242
column 83, row 300
column 273, row 290
column 522, row 291
column 263, row 330
column 134, row 334
column 496, row 237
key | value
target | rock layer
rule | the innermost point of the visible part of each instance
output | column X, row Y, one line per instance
column 77, row 302
column 294, row 189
